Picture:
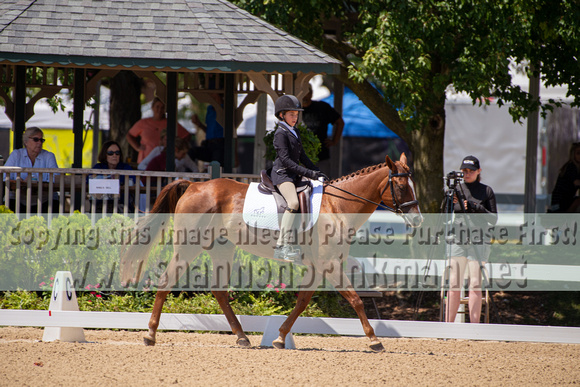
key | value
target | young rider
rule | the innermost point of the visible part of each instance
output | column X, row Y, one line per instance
column 287, row 170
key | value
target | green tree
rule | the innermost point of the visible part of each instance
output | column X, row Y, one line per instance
column 401, row 57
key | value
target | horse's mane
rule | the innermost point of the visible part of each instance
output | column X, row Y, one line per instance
column 360, row 172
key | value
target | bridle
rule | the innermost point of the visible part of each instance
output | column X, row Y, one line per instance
column 398, row 207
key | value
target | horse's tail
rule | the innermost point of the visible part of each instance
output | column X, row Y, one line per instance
column 134, row 254
column 169, row 196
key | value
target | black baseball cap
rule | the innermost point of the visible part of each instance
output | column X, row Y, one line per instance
column 470, row 162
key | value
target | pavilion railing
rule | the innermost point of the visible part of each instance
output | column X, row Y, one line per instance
column 28, row 191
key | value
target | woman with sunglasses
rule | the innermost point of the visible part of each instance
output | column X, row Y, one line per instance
column 32, row 156
column 111, row 157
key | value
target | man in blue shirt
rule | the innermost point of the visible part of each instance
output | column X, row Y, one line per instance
column 31, row 156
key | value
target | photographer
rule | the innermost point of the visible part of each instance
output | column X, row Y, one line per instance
column 469, row 250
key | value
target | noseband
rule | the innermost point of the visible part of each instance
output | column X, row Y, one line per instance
column 398, row 207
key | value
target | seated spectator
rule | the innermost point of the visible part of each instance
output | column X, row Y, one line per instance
column 145, row 135
column 110, row 157
column 32, row 156
column 184, row 164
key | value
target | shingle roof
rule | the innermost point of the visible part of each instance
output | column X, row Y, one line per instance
column 204, row 35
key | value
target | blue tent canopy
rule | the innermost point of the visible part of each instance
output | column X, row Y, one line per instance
column 359, row 121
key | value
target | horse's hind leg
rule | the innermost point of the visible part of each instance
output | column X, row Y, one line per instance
column 176, row 268
column 223, row 301
column 302, row 301
column 222, row 256
column 155, row 316
column 304, row 298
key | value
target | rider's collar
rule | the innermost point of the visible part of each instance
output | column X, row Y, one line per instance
column 285, row 125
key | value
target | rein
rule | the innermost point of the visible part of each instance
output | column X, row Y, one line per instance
column 398, row 207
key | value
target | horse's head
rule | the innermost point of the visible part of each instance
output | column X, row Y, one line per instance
column 399, row 192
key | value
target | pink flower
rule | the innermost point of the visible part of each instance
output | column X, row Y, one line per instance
column 277, row 290
column 88, row 287
column 97, row 286
column 269, row 286
column 93, row 293
column 99, row 296
column 42, row 283
column 283, row 285
column 51, row 278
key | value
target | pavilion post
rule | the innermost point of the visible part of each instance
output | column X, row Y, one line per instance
column 171, row 108
column 19, row 122
column 78, row 116
column 229, row 112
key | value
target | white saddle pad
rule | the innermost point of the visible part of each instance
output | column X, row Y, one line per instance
column 260, row 210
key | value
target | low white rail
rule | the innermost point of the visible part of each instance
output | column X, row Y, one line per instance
column 311, row 325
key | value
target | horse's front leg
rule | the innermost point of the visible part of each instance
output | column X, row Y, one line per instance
column 354, row 300
column 341, row 283
column 155, row 317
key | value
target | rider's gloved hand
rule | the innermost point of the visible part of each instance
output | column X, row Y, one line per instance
column 321, row 175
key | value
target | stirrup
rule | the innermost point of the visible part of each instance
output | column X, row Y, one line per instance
column 288, row 253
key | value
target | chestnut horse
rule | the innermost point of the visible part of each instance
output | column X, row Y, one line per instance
column 359, row 193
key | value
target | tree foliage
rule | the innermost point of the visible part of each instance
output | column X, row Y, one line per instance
column 402, row 56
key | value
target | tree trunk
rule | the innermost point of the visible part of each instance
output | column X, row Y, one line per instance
column 427, row 147
column 125, row 109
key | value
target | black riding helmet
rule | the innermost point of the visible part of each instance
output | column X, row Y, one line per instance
column 286, row 103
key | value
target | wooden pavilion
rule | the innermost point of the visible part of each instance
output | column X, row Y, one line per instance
column 50, row 45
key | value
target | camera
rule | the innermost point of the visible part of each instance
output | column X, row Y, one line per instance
column 453, row 178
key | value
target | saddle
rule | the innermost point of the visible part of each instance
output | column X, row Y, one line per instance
column 303, row 189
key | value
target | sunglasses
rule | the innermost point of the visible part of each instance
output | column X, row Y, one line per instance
column 110, row 153
column 37, row 139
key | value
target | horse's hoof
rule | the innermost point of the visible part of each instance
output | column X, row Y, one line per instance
column 279, row 344
column 243, row 342
column 148, row 341
column 377, row 347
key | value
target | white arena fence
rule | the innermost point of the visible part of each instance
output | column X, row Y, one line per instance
column 310, row 325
